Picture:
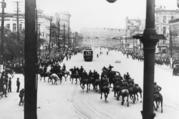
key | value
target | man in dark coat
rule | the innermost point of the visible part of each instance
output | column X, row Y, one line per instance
column 18, row 84
column 21, row 96
column 9, row 85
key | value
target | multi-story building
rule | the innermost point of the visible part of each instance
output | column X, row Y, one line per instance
column 61, row 29
column 162, row 18
column 133, row 27
column 174, row 38
column 10, row 22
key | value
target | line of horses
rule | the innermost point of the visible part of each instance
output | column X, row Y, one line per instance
column 124, row 87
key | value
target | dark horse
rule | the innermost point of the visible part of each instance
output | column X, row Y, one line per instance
column 125, row 93
column 105, row 90
column 134, row 90
column 83, row 82
column 158, row 99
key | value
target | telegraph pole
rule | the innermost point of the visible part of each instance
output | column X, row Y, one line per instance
column 17, row 12
column 58, row 33
column 30, row 106
column 64, row 37
column 50, row 36
column 3, row 6
column 68, row 36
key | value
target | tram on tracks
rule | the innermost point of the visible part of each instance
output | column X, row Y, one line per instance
column 88, row 54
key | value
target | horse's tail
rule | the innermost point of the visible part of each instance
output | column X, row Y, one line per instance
column 161, row 104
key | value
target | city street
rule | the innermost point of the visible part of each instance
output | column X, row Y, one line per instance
column 68, row 101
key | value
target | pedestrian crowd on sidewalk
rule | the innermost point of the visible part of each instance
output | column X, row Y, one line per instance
column 6, row 83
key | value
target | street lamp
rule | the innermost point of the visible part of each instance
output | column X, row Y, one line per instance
column 149, row 40
column 111, row 1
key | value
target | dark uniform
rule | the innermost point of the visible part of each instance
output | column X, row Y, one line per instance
column 18, row 84
column 21, row 96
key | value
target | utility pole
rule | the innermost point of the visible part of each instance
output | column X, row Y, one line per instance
column 149, row 39
column 30, row 106
column 17, row 12
column 69, row 42
column 64, row 37
column 58, row 34
column 3, row 6
column 50, row 36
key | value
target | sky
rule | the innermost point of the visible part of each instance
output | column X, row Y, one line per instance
column 96, row 13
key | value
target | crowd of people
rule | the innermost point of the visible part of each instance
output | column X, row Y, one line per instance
column 161, row 60
column 6, row 83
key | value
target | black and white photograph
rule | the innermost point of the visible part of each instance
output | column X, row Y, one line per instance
column 89, row 59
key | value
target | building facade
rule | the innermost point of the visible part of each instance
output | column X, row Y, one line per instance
column 162, row 21
column 174, row 38
column 133, row 27
column 10, row 22
column 163, row 17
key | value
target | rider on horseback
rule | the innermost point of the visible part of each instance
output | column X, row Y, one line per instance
column 104, row 81
column 157, row 88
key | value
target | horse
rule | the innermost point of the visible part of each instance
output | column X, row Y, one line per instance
column 158, row 99
column 65, row 74
column 53, row 77
column 125, row 93
column 74, row 75
column 138, row 90
column 83, row 82
column 117, row 90
column 105, row 90
column 132, row 93
column 96, row 83
column 111, row 76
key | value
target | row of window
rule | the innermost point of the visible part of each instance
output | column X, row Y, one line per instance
column 14, row 27
column 165, row 19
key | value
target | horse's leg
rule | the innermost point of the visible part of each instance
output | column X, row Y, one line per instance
column 134, row 100
column 65, row 78
column 56, row 82
column 137, row 96
column 87, row 87
column 161, row 105
column 118, row 94
column 101, row 95
column 106, row 95
column 155, row 105
column 60, row 80
column 76, row 80
column 114, row 93
column 127, row 101
column 122, row 103
column 52, row 81
column 157, row 102
column 141, row 94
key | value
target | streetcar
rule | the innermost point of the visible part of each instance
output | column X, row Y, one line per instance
column 88, row 54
